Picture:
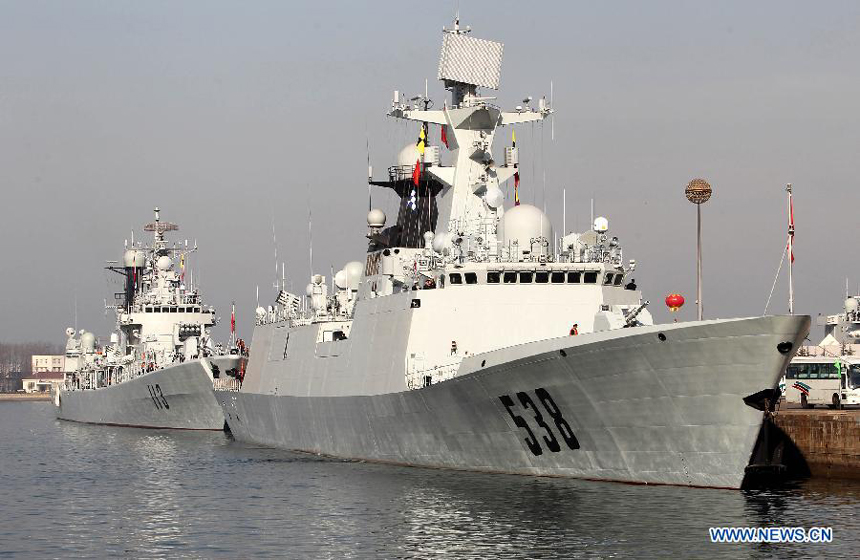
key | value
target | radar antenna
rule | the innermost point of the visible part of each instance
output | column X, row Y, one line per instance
column 159, row 228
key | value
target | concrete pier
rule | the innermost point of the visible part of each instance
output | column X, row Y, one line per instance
column 828, row 440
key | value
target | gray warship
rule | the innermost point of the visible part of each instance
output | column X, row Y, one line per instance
column 471, row 338
column 159, row 369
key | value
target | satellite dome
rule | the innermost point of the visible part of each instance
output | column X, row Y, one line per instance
column 408, row 156
column 88, row 342
column 163, row 263
column 441, row 242
column 353, row 271
column 340, row 279
column 601, row 224
column 376, row 218
column 133, row 259
column 851, row 305
column 70, row 332
column 524, row 224
column 261, row 312
column 317, row 279
column 494, row 197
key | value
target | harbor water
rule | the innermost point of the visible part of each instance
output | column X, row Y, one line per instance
column 78, row 490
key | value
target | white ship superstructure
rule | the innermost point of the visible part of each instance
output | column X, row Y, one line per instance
column 160, row 365
column 472, row 338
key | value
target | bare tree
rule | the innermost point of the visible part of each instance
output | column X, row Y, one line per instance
column 16, row 361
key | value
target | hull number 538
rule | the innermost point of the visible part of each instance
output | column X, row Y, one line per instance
column 546, row 433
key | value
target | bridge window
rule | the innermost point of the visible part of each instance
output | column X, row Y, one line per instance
column 557, row 277
column 618, row 279
column 471, row 278
column 510, row 277
column 542, row 277
column 456, row 278
column 525, row 277
column 607, row 280
column 574, row 277
column 492, row 278
column 591, row 277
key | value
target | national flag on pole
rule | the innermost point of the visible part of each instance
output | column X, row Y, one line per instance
column 416, row 173
column 516, row 171
column 790, row 227
column 444, row 135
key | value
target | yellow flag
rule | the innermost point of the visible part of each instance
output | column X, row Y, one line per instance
column 421, row 140
column 514, row 136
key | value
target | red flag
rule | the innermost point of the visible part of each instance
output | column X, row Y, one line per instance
column 790, row 228
column 416, row 173
column 445, row 135
column 232, row 321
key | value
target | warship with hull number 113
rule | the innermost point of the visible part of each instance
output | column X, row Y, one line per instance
column 470, row 339
column 160, row 366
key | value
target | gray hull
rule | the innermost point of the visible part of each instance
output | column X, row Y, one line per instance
column 639, row 409
column 179, row 396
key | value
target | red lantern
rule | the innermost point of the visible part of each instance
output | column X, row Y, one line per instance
column 674, row 302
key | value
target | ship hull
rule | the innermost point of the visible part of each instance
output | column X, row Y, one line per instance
column 180, row 396
column 628, row 405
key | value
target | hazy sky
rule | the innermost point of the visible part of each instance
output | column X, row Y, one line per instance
column 229, row 115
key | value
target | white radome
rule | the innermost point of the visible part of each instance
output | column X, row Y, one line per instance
column 524, row 224
column 601, row 224
column 134, row 259
column 494, row 197
column 442, row 242
column 340, row 279
column 376, row 218
column 163, row 263
column 408, row 156
column 353, row 270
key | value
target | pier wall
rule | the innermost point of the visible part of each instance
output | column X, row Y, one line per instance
column 829, row 440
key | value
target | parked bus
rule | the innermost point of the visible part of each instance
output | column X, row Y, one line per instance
column 812, row 380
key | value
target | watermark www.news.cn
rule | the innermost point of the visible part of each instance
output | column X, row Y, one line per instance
column 771, row 534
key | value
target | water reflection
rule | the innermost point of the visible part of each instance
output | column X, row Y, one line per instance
column 98, row 491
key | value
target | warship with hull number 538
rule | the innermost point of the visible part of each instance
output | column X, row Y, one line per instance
column 469, row 338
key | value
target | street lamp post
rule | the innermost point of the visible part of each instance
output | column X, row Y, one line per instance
column 698, row 192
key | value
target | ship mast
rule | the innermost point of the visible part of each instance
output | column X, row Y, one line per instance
column 467, row 63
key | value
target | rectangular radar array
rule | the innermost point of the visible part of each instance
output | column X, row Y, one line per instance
column 468, row 60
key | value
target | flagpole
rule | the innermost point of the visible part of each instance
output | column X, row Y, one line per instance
column 790, row 251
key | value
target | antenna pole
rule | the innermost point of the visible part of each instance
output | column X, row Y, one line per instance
column 790, row 251
column 564, row 212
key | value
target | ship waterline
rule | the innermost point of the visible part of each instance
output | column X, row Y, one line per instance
column 179, row 396
column 655, row 404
